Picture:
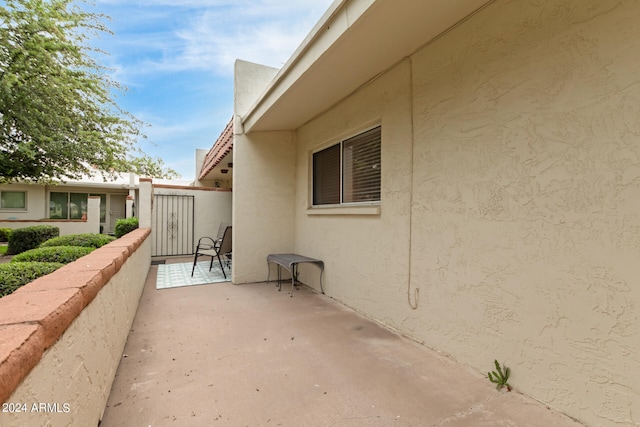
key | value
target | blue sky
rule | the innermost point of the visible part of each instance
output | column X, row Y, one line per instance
column 176, row 59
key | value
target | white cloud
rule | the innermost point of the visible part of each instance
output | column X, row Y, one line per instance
column 211, row 35
column 177, row 57
column 210, row 45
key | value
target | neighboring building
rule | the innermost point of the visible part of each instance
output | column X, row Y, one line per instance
column 469, row 173
column 68, row 201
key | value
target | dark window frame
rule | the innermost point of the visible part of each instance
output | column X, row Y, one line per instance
column 348, row 172
column 74, row 207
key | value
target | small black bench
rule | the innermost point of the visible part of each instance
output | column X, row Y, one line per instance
column 290, row 263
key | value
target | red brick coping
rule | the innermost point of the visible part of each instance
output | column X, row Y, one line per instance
column 37, row 314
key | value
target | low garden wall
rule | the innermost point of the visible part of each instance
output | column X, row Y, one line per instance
column 62, row 335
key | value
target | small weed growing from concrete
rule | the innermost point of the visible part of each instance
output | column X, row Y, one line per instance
column 500, row 376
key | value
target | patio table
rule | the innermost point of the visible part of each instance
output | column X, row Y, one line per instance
column 290, row 263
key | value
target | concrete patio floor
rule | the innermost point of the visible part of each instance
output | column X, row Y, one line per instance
column 248, row 355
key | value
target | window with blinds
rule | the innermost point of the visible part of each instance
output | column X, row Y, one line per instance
column 13, row 199
column 67, row 205
column 349, row 171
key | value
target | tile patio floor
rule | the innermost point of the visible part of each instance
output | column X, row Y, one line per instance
column 248, row 355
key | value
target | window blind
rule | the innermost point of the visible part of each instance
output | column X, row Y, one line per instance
column 326, row 176
column 361, row 167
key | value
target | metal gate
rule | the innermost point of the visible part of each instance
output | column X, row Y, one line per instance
column 172, row 223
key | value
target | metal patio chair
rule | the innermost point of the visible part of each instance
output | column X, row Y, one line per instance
column 221, row 229
column 208, row 246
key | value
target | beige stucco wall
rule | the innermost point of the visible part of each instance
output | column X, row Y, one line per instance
column 250, row 80
column 264, row 176
column 210, row 209
column 36, row 202
column 360, row 249
column 510, row 198
column 91, row 225
column 37, row 207
column 74, row 376
column 263, row 217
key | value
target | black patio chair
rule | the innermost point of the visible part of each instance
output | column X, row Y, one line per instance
column 208, row 246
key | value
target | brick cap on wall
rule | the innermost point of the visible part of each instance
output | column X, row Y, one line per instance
column 37, row 314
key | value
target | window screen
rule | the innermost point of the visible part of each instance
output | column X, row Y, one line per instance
column 361, row 167
column 13, row 200
column 326, row 176
column 350, row 171
column 67, row 205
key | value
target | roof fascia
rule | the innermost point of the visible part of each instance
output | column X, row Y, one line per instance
column 323, row 28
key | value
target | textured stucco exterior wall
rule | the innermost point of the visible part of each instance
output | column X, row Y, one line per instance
column 69, row 385
column 515, row 210
column 144, row 209
column 366, row 256
column 264, row 180
column 250, row 80
column 90, row 225
column 200, row 155
column 210, row 209
column 37, row 198
column 36, row 202
column 527, row 230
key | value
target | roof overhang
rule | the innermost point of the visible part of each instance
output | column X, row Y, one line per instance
column 354, row 42
column 221, row 150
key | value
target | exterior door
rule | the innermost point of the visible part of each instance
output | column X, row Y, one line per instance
column 172, row 223
column 117, row 209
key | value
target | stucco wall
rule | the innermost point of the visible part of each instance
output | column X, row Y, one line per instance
column 263, row 217
column 38, row 209
column 62, row 336
column 72, row 226
column 211, row 207
column 36, row 202
column 515, row 208
column 366, row 255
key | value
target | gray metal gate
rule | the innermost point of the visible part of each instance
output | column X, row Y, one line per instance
column 173, row 217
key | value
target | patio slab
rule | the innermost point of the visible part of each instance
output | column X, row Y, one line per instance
column 248, row 355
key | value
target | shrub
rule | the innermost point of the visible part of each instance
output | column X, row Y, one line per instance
column 85, row 240
column 23, row 239
column 61, row 254
column 4, row 234
column 124, row 226
column 14, row 275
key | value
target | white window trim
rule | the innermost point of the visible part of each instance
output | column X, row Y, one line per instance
column 26, row 201
column 344, row 210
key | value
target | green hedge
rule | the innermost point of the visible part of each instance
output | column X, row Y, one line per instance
column 23, row 239
column 124, row 226
column 14, row 275
column 85, row 240
column 62, row 254
column 4, row 234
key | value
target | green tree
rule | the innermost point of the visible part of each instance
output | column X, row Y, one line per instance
column 147, row 166
column 58, row 117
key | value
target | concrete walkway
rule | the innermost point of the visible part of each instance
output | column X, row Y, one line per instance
column 248, row 355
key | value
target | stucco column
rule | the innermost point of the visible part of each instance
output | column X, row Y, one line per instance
column 145, row 203
column 129, row 206
column 93, row 214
